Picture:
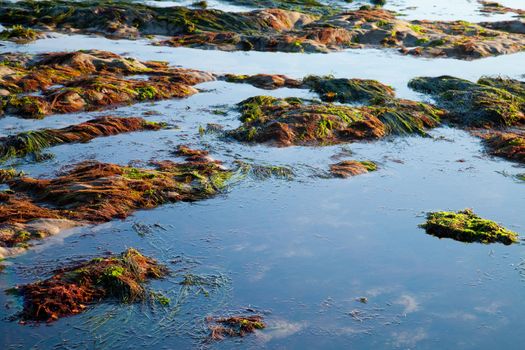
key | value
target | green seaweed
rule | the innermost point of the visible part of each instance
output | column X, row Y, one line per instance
column 465, row 226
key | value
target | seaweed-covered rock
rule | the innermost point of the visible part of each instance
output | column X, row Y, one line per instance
column 292, row 121
column 33, row 142
column 72, row 289
column 489, row 102
column 93, row 192
column 465, row 226
column 349, row 168
column 35, row 86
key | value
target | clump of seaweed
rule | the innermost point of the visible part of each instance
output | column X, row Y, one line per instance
column 509, row 145
column 234, row 326
column 264, row 81
column 349, row 168
column 295, row 121
column 465, row 226
column 264, row 172
column 328, row 87
column 66, row 82
column 94, row 192
column 19, row 34
column 33, row 142
column 349, row 90
column 71, row 290
column 489, row 102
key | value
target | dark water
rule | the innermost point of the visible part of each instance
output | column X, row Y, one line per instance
column 302, row 251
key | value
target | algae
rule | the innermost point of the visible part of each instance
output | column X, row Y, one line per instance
column 465, row 226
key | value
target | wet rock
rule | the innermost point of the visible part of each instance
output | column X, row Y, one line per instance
column 293, row 121
column 489, row 102
column 465, row 226
column 33, row 142
column 72, row 289
column 349, row 168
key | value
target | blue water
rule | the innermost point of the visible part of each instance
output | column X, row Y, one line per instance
column 298, row 251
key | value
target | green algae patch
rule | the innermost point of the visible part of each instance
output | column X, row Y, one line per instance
column 293, row 121
column 350, row 168
column 489, row 102
column 234, row 326
column 33, row 142
column 73, row 289
column 465, row 226
column 92, row 192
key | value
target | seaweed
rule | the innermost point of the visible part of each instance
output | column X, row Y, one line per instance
column 465, row 226
column 72, row 289
column 234, row 326
column 349, row 168
column 294, row 121
column 33, row 142
column 489, row 102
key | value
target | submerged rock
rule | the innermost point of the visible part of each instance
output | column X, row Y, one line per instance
column 33, row 142
column 465, row 226
column 293, row 121
column 93, row 192
column 489, row 102
column 39, row 85
column 349, row 168
column 72, row 289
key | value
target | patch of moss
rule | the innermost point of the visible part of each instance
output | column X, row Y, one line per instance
column 465, row 226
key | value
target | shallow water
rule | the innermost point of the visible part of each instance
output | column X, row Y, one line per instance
column 298, row 251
